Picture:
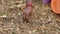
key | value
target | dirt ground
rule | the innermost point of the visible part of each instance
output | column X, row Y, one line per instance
column 42, row 20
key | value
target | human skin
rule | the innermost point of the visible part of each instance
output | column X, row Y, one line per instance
column 28, row 10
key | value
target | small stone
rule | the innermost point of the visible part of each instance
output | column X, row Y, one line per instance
column 34, row 30
column 13, row 6
column 30, row 32
column 19, row 13
column 18, row 2
column 59, row 28
column 20, row 5
column 3, row 16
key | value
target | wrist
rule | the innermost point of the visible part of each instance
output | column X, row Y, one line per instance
column 29, row 5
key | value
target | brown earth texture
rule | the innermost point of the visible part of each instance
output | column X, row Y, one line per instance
column 42, row 20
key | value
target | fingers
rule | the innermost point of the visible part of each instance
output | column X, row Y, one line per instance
column 26, row 17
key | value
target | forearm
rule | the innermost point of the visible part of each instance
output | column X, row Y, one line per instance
column 28, row 1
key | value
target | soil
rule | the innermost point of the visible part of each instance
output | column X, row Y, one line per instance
column 42, row 20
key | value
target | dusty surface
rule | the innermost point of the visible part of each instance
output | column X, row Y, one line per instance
column 42, row 20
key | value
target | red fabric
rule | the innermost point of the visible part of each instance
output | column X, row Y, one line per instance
column 28, row 4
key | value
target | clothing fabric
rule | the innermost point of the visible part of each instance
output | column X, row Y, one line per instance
column 46, row 1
